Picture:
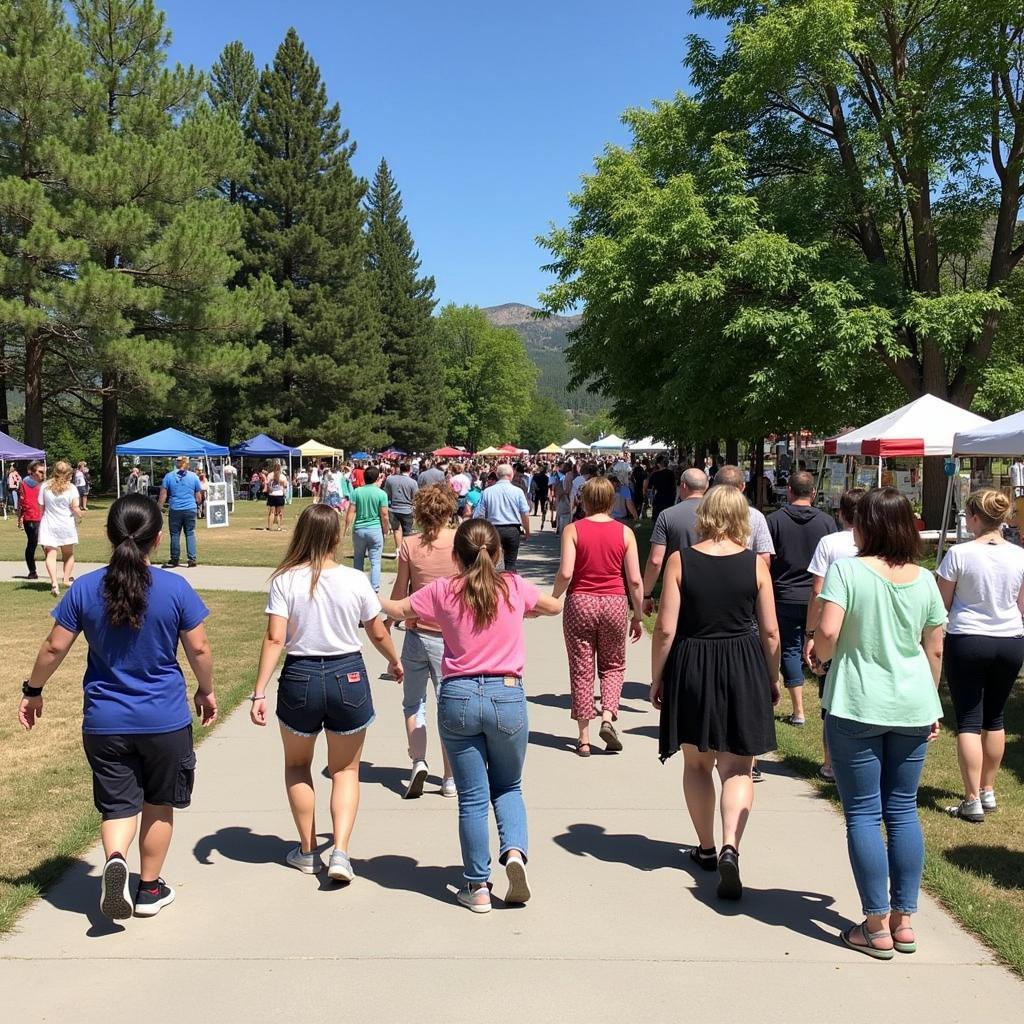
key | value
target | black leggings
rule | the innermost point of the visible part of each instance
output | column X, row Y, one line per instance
column 31, row 543
column 981, row 671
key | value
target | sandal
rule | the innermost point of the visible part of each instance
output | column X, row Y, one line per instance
column 706, row 859
column 582, row 749
column 611, row 737
column 868, row 946
column 904, row 947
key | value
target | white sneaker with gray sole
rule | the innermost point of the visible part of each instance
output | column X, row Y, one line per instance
column 518, row 884
column 307, row 863
column 988, row 800
column 340, row 868
column 416, row 781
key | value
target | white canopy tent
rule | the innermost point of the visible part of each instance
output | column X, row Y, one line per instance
column 1002, row 439
column 611, row 443
column 575, row 445
column 648, row 444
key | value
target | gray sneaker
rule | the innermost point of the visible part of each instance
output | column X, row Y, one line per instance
column 307, row 863
column 988, row 799
column 340, row 868
column 448, row 787
column 967, row 810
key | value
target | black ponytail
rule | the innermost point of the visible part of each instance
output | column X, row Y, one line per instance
column 133, row 525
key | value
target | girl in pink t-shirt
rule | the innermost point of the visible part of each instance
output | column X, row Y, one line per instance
column 482, row 704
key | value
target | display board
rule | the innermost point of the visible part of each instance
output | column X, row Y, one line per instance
column 216, row 505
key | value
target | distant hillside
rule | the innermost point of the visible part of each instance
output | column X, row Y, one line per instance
column 545, row 341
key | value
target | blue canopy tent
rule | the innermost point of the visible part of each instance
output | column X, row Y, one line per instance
column 13, row 451
column 166, row 444
column 263, row 447
column 360, row 456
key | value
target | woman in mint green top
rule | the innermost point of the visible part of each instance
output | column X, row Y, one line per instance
column 881, row 626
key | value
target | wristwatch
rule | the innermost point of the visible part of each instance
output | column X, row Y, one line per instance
column 809, row 634
column 31, row 691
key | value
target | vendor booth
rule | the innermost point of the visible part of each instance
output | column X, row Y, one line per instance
column 263, row 447
column 648, row 446
column 313, row 449
column 1003, row 439
column 923, row 427
column 609, row 444
column 575, row 447
column 12, row 450
column 552, row 449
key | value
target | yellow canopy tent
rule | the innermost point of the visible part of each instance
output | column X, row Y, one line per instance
column 552, row 449
column 315, row 450
column 489, row 450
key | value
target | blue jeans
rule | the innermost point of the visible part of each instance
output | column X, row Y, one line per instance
column 179, row 519
column 792, row 620
column 483, row 725
column 368, row 540
column 878, row 770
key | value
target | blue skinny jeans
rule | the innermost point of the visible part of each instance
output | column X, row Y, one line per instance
column 878, row 770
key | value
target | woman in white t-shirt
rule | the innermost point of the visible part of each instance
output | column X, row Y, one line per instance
column 277, row 490
column 313, row 612
column 831, row 548
column 982, row 584
column 58, row 528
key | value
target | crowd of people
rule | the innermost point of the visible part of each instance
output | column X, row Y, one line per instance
column 748, row 607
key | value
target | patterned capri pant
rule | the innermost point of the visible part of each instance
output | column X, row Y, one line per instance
column 595, row 627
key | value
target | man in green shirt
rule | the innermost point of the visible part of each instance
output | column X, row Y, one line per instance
column 367, row 517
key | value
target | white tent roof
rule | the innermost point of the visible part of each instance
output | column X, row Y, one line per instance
column 1004, row 437
column 575, row 445
column 648, row 444
column 611, row 443
column 925, row 426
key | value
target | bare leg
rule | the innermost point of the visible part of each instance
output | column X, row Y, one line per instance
column 969, row 754
column 343, row 753
column 737, row 796
column 118, row 834
column 67, row 553
column 993, row 744
column 699, row 792
column 51, row 566
column 417, row 734
column 584, row 728
column 270, row 517
column 796, row 695
column 298, row 780
column 154, row 840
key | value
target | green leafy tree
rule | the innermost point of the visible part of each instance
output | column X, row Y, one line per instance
column 232, row 88
column 489, row 381
column 410, row 412
column 545, row 423
column 326, row 371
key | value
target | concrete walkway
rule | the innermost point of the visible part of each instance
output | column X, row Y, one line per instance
column 620, row 927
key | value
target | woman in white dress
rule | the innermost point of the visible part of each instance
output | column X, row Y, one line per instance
column 58, row 529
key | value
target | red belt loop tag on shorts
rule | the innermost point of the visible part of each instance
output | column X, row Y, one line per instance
column 354, row 677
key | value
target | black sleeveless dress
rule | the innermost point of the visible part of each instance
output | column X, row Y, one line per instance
column 717, row 691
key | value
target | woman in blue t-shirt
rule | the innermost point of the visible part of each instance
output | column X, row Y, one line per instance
column 137, row 725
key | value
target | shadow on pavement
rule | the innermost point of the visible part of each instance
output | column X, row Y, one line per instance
column 76, row 891
column 242, row 844
column 543, row 739
column 649, row 731
column 391, row 871
column 393, row 779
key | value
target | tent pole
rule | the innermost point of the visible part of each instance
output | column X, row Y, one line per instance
column 879, row 470
column 946, row 509
column 117, row 473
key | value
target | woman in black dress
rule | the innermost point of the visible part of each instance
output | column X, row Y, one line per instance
column 715, row 679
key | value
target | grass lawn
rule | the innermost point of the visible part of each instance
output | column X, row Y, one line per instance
column 46, row 816
column 975, row 871
column 244, row 542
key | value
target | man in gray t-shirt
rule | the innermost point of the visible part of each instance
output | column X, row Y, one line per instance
column 674, row 529
column 401, row 490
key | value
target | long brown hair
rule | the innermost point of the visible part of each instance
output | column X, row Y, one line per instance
column 478, row 549
column 316, row 538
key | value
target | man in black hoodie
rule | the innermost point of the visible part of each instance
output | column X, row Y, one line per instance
column 796, row 529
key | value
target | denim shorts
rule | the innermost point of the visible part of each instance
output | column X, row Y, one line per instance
column 324, row 693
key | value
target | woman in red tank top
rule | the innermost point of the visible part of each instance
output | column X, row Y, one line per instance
column 599, row 568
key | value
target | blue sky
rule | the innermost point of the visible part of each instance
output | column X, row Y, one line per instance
column 487, row 116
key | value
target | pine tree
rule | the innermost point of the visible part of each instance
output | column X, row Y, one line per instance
column 410, row 411
column 146, row 197
column 326, row 371
column 233, row 82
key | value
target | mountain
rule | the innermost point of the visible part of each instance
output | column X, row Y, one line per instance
column 545, row 340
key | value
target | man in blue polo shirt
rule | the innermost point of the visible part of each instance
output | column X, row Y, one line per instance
column 180, row 490
column 505, row 507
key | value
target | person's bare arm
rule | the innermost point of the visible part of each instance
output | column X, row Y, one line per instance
column 381, row 639
column 827, row 634
column 385, row 520
column 270, row 655
column 525, row 520
column 634, row 585
column 200, row 657
column 567, row 565
column 631, row 508
column 52, row 652
column 547, row 604
column 652, row 570
column 813, row 616
column 350, row 515
column 395, row 608
column 947, row 588
column 665, row 627
column 768, row 627
column 765, row 557
column 163, row 497
column 931, row 641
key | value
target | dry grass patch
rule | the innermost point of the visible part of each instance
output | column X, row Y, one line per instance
column 46, row 816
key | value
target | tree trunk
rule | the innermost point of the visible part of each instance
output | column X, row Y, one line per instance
column 108, row 442
column 732, row 451
column 5, row 383
column 34, row 390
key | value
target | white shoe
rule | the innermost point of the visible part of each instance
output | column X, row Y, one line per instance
column 448, row 788
column 307, row 863
column 416, row 781
column 115, row 899
column 340, row 868
column 988, row 800
column 518, row 884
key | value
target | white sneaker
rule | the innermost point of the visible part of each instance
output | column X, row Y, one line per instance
column 988, row 800
column 416, row 780
column 115, row 899
column 340, row 868
column 448, row 787
column 307, row 863
column 518, row 884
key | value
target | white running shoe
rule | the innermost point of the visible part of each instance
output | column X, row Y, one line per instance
column 340, row 868
column 115, row 899
column 416, row 781
column 307, row 863
column 518, row 884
